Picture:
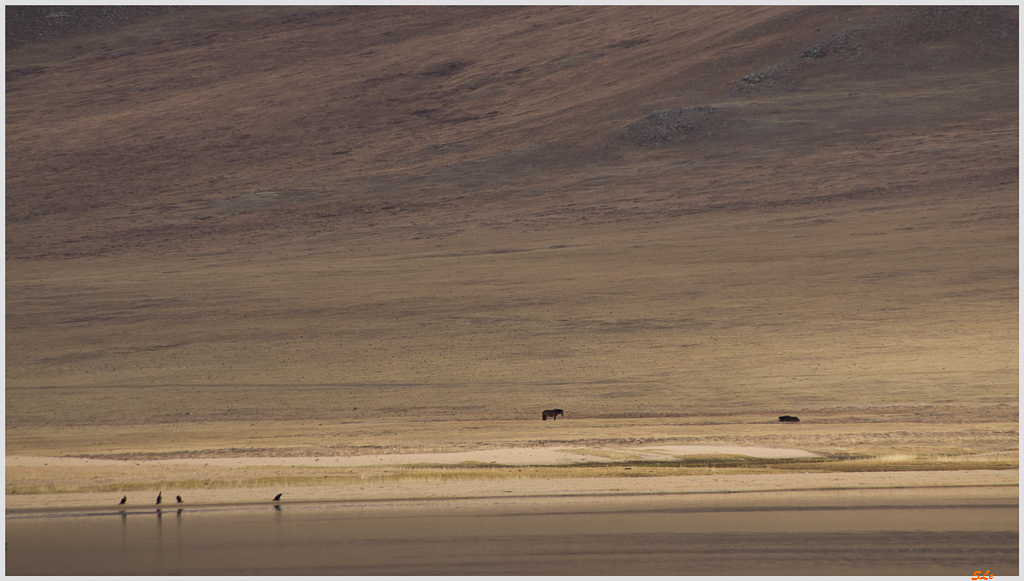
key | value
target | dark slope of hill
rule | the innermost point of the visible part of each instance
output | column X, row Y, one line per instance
column 292, row 213
column 231, row 123
column 32, row 24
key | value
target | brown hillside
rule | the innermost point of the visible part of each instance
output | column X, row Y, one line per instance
column 277, row 214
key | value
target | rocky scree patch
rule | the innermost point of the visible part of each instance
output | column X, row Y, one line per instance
column 667, row 126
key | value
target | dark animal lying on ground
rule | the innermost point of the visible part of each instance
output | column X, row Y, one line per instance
column 553, row 414
column 789, row 419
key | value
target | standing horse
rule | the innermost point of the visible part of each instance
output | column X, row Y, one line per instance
column 553, row 414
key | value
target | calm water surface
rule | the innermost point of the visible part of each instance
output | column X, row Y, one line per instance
column 891, row 532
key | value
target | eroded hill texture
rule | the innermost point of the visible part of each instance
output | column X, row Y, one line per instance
column 284, row 213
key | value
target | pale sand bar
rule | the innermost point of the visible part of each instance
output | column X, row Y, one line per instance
column 507, row 456
column 522, row 490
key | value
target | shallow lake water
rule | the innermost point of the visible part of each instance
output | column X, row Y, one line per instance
column 946, row 531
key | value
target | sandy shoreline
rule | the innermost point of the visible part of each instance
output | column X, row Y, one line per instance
column 535, row 491
column 520, row 490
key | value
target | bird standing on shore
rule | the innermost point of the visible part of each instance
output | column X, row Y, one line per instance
column 179, row 498
column 278, row 497
column 159, row 497
column 124, row 499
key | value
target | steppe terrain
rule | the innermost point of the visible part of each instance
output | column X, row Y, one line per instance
column 246, row 233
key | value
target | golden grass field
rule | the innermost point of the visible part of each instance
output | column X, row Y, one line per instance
column 315, row 232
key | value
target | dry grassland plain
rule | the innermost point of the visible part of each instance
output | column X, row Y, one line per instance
column 255, row 233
